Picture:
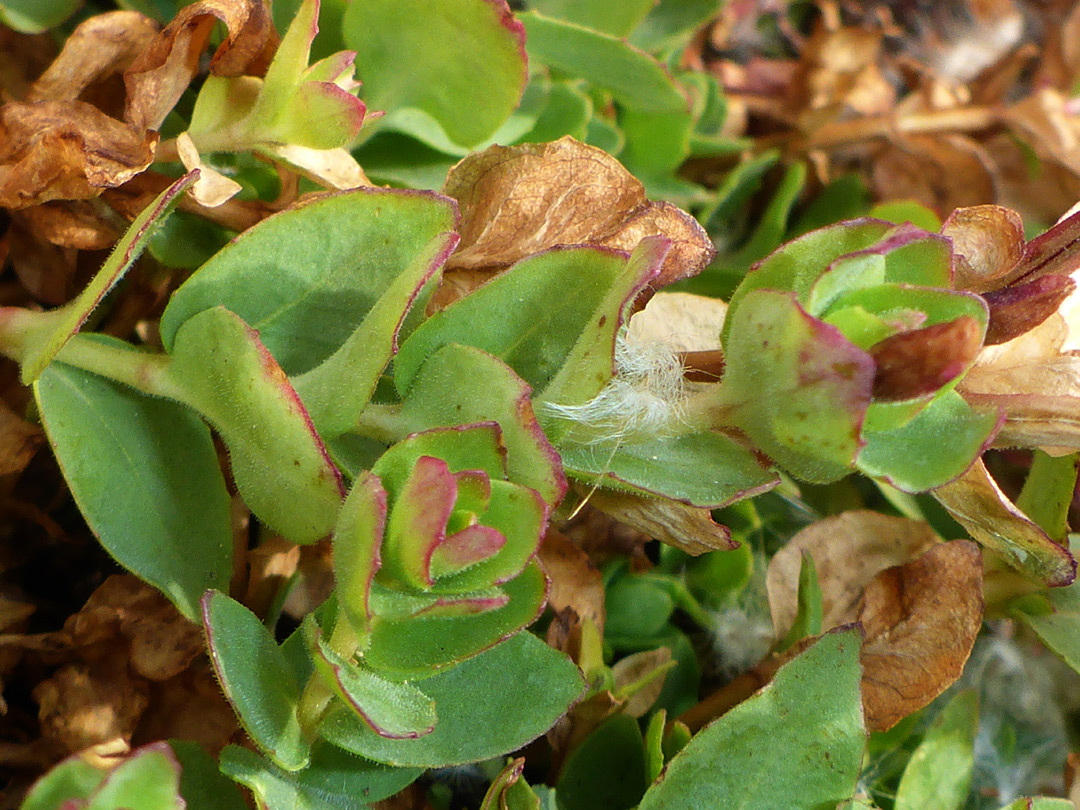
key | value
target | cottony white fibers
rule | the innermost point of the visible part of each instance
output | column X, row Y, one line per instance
column 645, row 397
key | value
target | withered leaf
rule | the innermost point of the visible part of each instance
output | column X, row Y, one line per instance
column 519, row 200
column 943, row 172
column 686, row 527
column 683, row 321
column 75, row 224
column 19, row 440
column 212, row 188
column 575, row 582
column 158, row 77
column 102, row 46
column 848, row 550
column 1017, row 309
column 920, row 622
column 65, row 150
column 988, row 241
column 978, row 504
column 1035, row 380
column 920, row 361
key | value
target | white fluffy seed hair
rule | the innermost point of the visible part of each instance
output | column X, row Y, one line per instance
column 646, row 395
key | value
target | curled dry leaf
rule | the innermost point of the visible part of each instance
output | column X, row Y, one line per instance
column 1020, row 308
column 688, row 528
column 920, row 621
column 105, row 45
column 66, row 150
column 19, row 440
column 1035, row 380
column 848, row 550
column 75, row 224
column 918, row 362
column 163, row 71
column 988, row 242
column 212, row 188
column 519, row 200
column 575, row 582
column 978, row 504
column 943, row 173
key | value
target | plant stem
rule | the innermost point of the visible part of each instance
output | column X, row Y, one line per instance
column 313, row 705
column 383, row 423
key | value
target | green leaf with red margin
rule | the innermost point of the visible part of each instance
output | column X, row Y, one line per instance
column 531, row 317
column 71, row 317
column 413, row 647
column 590, row 364
column 795, row 385
column 335, row 780
column 355, row 245
column 256, row 679
column 72, row 779
column 279, row 462
column 357, row 540
column 932, row 449
column 391, row 709
column 462, row 385
column 435, row 54
column 339, row 388
column 417, row 524
column 477, row 446
column 797, row 265
column 708, row 468
column 479, row 716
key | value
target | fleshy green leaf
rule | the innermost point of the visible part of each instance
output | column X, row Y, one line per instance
column 35, row 16
column 335, row 780
column 147, row 780
column 123, row 256
column 256, row 679
column 607, row 769
column 354, row 246
column 1054, row 615
column 460, row 385
column 795, row 385
column 435, row 54
column 939, row 772
column 1048, row 492
column 279, row 462
column 357, row 540
column 338, row 389
column 808, row 616
column 531, row 317
column 801, row 736
column 634, row 79
column 397, row 710
column 413, row 646
column 145, row 475
column 479, row 717
column 703, row 469
column 202, row 785
column 1040, row 803
column 617, row 19
column 74, row 778
column 935, row 447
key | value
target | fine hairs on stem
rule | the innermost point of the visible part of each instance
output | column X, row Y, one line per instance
column 645, row 398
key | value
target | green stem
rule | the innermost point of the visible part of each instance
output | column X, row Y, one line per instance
column 383, row 423
column 313, row 705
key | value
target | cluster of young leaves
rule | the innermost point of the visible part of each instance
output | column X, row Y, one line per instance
column 414, row 376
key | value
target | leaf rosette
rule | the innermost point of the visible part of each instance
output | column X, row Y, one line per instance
column 843, row 349
column 435, row 552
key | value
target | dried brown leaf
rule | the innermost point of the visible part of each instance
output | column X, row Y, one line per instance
column 1035, row 379
column 65, row 150
column 1018, row 309
column 86, row 704
column 682, row 321
column 19, row 441
column 212, row 188
column 75, row 224
column 920, row 361
column 189, row 706
column 978, row 504
column 158, row 77
column 102, row 46
column 637, row 677
column 848, row 550
column 920, row 621
column 516, row 201
column 575, row 582
column 988, row 241
column 944, row 172
column 688, row 528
